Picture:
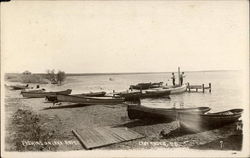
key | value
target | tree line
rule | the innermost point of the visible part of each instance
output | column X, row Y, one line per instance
column 54, row 77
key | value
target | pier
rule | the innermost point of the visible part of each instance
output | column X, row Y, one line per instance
column 199, row 87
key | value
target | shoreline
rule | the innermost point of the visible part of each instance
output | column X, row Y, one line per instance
column 56, row 124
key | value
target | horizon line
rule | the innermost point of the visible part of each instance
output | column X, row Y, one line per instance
column 118, row 73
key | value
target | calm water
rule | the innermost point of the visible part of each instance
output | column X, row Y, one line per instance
column 226, row 93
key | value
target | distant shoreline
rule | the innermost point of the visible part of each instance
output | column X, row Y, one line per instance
column 129, row 73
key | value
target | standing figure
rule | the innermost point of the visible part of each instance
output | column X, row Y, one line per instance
column 181, row 77
column 173, row 78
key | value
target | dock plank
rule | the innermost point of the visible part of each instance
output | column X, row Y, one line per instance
column 103, row 136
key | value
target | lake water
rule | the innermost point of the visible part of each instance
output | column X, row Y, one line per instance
column 226, row 93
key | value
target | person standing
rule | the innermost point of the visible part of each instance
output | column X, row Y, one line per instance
column 181, row 77
column 173, row 78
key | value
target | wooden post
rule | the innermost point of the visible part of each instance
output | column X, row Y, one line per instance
column 188, row 87
column 203, row 88
column 113, row 93
column 210, row 87
column 196, row 89
column 179, row 73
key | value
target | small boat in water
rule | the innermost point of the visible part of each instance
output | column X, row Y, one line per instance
column 88, row 100
column 91, row 94
column 176, row 89
column 202, row 122
column 43, row 94
column 19, row 87
column 130, row 96
column 144, row 86
column 136, row 111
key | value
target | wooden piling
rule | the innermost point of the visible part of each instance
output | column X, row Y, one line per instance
column 203, row 88
column 188, row 87
column 210, row 87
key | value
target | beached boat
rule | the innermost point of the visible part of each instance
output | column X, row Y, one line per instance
column 88, row 100
column 19, row 87
column 201, row 122
column 136, row 111
column 176, row 89
column 91, row 94
column 129, row 96
column 43, row 94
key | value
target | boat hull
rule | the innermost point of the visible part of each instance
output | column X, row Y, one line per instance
column 202, row 122
column 89, row 100
column 39, row 94
column 91, row 94
column 177, row 90
column 130, row 96
column 142, row 112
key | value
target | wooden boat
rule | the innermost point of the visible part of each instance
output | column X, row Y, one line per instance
column 88, row 100
column 94, row 94
column 130, row 96
column 176, row 89
column 19, row 87
column 136, row 111
column 202, row 122
column 43, row 94
column 91, row 94
column 144, row 86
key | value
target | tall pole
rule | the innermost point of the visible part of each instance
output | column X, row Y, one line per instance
column 179, row 73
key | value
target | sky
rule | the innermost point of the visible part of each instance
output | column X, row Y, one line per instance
column 124, row 36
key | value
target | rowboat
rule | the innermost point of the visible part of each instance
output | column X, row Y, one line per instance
column 88, row 100
column 91, row 94
column 94, row 94
column 43, row 94
column 176, row 89
column 144, row 94
column 136, row 111
column 143, row 86
column 19, row 87
column 201, row 122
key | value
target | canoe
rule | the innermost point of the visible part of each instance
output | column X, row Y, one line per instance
column 136, row 111
column 88, row 100
column 129, row 96
column 91, row 94
column 202, row 122
column 43, row 94
column 19, row 87
column 176, row 89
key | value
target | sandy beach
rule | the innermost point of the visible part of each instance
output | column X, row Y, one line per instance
column 30, row 121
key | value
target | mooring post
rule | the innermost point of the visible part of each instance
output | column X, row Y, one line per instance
column 113, row 93
column 179, row 75
column 188, row 87
column 196, row 89
column 210, row 87
column 203, row 88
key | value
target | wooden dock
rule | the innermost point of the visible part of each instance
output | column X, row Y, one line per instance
column 199, row 87
column 103, row 136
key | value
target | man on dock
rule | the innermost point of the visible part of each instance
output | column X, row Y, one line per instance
column 173, row 79
column 181, row 77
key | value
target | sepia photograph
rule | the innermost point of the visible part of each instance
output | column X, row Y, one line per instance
column 126, row 78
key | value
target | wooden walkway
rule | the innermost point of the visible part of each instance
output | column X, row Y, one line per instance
column 103, row 136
